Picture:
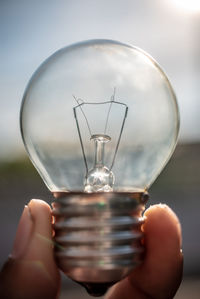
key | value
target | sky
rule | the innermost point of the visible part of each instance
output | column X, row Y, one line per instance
column 30, row 31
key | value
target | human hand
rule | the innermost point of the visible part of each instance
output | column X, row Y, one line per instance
column 31, row 272
column 160, row 275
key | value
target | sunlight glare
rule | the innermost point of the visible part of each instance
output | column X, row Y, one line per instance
column 192, row 6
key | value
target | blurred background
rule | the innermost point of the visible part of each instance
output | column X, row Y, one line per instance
column 169, row 30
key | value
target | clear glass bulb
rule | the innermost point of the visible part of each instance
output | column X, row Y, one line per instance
column 99, row 116
column 99, row 120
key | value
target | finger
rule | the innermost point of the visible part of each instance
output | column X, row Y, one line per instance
column 160, row 274
column 31, row 271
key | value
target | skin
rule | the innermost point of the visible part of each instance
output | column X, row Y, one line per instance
column 31, row 272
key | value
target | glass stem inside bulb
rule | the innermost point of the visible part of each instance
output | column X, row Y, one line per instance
column 99, row 178
column 99, row 152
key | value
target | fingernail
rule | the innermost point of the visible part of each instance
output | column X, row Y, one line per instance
column 23, row 234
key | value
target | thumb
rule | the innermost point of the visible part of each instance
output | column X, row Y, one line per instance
column 31, row 271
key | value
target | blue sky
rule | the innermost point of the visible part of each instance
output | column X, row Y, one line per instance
column 30, row 31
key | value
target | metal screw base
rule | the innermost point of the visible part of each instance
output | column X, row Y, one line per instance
column 98, row 236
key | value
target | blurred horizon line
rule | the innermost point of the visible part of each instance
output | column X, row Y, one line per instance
column 20, row 154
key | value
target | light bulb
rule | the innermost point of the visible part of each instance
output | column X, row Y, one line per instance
column 99, row 120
